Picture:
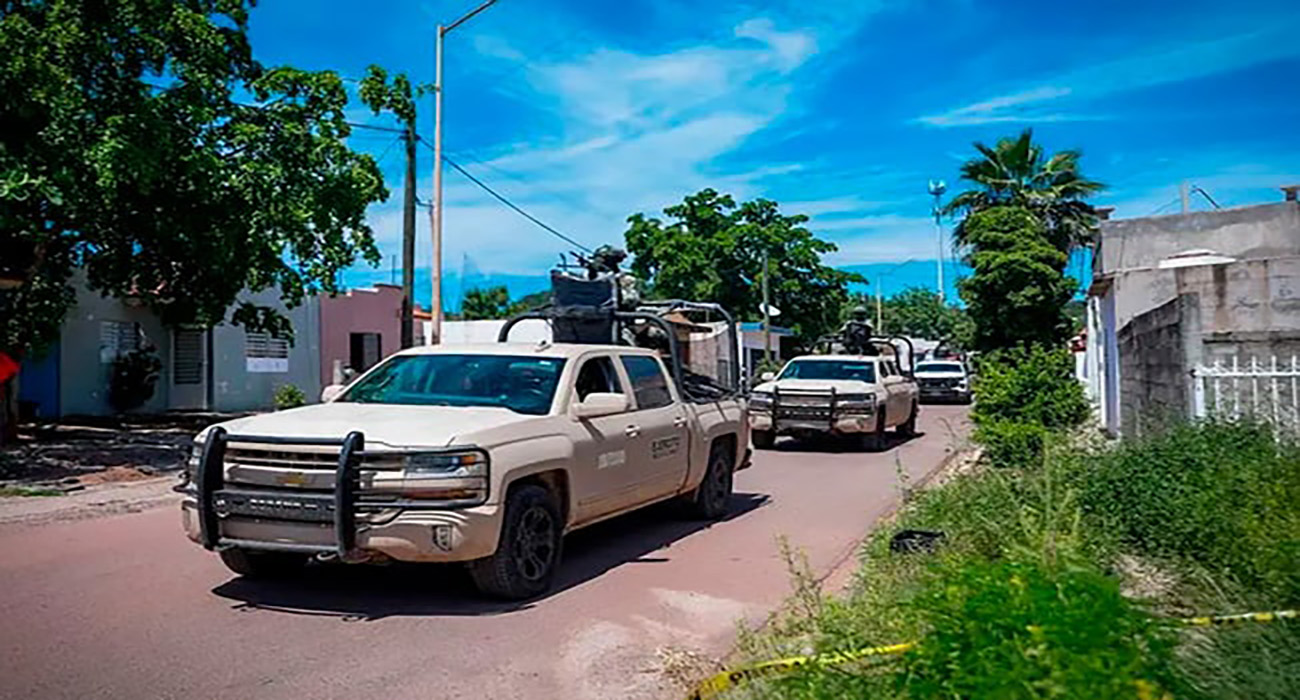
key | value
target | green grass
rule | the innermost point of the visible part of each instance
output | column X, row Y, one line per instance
column 1024, row 599
column 28, row 491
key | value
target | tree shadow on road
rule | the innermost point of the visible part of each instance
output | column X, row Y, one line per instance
column 367, row 593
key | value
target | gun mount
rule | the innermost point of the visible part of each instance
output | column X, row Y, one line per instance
column 595, row 303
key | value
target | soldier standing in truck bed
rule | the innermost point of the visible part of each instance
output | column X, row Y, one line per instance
column 856, row 333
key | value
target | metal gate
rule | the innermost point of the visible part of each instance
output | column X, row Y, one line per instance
column 1263, row 389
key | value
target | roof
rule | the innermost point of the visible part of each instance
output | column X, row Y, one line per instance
column 567, row 350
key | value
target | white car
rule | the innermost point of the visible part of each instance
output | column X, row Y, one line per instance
column 944, row 380
column 850, row 395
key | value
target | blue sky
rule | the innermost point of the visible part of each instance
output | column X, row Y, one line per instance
column 584, row 111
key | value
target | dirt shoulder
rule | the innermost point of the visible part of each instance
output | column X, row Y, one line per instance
column 94, row 501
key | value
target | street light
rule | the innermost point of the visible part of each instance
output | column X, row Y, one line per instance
column 936, row 189
column 435, row 214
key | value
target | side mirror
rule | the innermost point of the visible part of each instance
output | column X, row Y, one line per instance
column 600, row 405
column 767, row 376
column 331, row 392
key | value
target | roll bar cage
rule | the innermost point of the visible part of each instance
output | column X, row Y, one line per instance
column 648, row 312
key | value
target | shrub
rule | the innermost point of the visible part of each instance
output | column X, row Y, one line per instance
column 1032, row 385
column 134, row 375
column 1018, row 630
column 1225, row 496
column 288, row 396
column 1011, row 444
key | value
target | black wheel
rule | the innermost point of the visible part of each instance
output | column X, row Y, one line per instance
column 528, row 553
column 874, row 441
column 263, row 565
column 710, row 500
column 763, row 439
column 908, row 428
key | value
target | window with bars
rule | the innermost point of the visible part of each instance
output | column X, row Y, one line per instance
column 264, row 345
column 265, row 353
column 117, row 338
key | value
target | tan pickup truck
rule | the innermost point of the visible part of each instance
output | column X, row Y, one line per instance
column 859, row 396
column 485, row 454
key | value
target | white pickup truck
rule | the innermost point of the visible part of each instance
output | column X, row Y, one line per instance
column 485, row 454
column 843, row 395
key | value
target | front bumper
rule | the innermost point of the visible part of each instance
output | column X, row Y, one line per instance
column 350, row 520
column 850, row 424
column 940, row 393
column 403, row 535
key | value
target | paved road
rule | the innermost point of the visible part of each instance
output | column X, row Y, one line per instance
column 125, row 607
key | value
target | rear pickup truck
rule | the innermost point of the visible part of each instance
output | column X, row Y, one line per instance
column 486, row 455
column 857, row 396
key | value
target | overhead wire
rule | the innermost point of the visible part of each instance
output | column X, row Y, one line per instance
column 504, row 200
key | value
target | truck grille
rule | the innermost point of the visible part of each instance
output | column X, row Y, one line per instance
column 305, row 460
column 940, row 382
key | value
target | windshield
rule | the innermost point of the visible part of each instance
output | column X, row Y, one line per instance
column 939, row 367
column 830, row 369
column 521, row 384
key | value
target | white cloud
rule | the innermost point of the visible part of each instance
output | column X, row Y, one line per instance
column 1172, row 63
column 882, row 238
column 639, row 132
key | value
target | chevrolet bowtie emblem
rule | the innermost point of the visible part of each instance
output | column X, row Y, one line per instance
column 293, row 479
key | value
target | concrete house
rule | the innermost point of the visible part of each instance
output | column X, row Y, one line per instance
column 1171, row 294
column 358, row 328
column 222, row 369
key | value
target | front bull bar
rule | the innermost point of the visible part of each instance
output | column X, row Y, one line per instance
column 211, row 478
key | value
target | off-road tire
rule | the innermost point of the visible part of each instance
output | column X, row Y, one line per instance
column 711, row 500
column 763, row 439
column 263, row 565
column 908, row 427
column 528, row 553
column 874, row 441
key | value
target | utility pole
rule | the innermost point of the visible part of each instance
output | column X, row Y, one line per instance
column 408, row 240
column 880, row 315
column 767, row 313
column 435, row 214
column 936, row 189
column 1185, row 195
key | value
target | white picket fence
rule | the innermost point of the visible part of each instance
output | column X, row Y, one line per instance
column 1267, row 389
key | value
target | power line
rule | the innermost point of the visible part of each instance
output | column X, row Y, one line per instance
column 567, row 199
column 1163, row 207
column 501, row 198
column 513, row 206
column 389, row 129
column 387, row 150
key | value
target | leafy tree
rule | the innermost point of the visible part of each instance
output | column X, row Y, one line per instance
column 1017, row 292
column 918, row 312
column 713, row 250
column 142, row 143
column 485, row 303
column 1077, row 311
column 1017, row 172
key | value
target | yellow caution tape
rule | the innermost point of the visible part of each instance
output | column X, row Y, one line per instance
column 1271, row 616
column 726, row 680
column 714, row 685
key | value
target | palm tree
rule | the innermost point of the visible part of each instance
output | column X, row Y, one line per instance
column 1017, row 172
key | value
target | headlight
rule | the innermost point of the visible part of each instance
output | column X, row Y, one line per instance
column 760, row 399
column 454, row 478
column 452, row 465
column 856, row 403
